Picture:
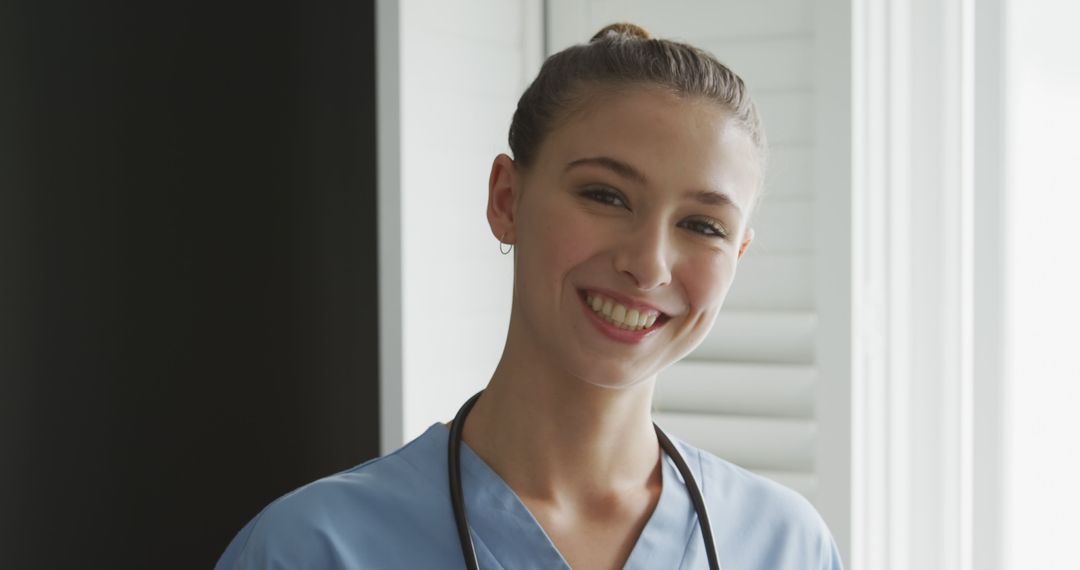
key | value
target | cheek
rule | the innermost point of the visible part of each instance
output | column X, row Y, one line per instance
column 561, row 240
column 706, row 279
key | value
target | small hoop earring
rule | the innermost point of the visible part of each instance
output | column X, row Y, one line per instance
column 509, row 249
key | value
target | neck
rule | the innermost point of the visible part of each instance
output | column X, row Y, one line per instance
column 559, row 439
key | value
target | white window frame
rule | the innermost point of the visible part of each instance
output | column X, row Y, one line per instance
column 926, row 303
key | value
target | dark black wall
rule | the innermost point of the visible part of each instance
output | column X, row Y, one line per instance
column 188, row 303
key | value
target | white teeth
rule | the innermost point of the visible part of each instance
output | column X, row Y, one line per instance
column 618, row 315
column 632, row 318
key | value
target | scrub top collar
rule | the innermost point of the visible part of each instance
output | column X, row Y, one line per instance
column 502, row 525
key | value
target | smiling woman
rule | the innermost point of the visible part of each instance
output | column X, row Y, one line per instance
column 637, row 163
column 623, row 183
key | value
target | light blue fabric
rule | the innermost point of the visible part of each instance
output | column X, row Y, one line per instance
column 395, row 512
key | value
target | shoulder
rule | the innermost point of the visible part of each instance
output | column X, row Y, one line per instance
column 762, row 517
column 328, row 522
column 728, row 483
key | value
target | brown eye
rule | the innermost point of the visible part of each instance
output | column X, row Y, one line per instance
column 705, row 228
column 605, row 196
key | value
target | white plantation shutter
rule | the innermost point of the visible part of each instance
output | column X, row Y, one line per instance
column 759, row 416
column 749, row 392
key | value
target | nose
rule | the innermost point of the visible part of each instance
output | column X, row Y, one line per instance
column 645, row 257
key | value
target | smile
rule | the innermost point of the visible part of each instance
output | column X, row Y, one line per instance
column 618, row 314
column 619, row 321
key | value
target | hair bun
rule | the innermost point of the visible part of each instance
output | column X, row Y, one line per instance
column 624, row 30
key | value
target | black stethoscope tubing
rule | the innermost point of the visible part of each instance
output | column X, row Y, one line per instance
column 457, row 496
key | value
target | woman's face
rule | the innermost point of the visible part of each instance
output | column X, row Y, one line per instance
column 638, row 202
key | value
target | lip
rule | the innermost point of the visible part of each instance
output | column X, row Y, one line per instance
column 615, row 333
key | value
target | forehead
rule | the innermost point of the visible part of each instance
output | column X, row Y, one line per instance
column 678, row 143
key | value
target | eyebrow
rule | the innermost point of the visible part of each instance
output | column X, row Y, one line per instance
column 617, row 166
column 714, row 198
column 706, row 197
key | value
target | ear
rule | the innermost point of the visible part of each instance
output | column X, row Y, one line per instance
column 502, row 198
column 746, row 242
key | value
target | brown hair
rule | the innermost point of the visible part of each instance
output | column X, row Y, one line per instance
column 625, row 55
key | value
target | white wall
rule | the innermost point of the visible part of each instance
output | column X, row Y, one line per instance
column 1042, row 290
column 450, row 94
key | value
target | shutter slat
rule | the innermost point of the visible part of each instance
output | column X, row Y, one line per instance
column 768, row 62
column 790, row 116
column 770, row 390
column 781, row 337
column 710, row 19
column 782, row 225
column 773, row 282
column 748, row 441
column 790, row 173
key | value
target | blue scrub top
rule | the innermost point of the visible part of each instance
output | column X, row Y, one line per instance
column 395, row 512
